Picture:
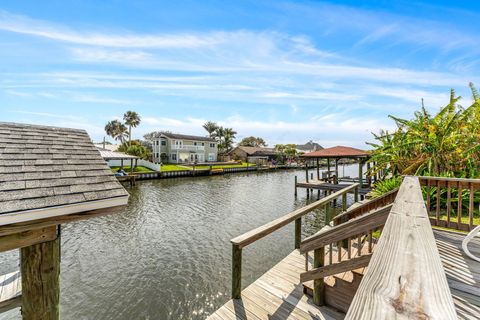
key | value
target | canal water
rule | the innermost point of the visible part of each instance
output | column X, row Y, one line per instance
column 168, row 255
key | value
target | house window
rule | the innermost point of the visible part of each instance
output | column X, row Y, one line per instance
column 157, row 155
column 203, row 144
column 164, row 142
column 212, row 145
column 211, row 157
column 194, row 143
column 157, row 142
column 174, row 156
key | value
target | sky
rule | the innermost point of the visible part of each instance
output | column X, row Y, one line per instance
column 286, row 71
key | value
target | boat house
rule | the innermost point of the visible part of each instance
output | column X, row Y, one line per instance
column 49, row 176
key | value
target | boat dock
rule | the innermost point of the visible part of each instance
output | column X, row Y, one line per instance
column 378, row 259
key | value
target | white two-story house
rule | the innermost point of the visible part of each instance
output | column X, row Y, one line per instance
column 179, row 148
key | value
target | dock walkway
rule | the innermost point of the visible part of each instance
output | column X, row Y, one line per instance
column 278, row 294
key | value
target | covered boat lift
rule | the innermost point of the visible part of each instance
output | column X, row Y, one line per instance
column 337, row 153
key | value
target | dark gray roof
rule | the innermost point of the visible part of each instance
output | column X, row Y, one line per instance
column 44, row 167
column 184, row 136
column 309, row 146
column 257, row 151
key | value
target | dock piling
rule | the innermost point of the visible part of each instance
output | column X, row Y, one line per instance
column 236, row 272
column 298, row 232
column 295, row 186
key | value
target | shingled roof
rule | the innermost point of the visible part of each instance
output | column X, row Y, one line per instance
column 47, row 167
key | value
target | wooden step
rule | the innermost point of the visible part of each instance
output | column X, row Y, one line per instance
column 341, row 288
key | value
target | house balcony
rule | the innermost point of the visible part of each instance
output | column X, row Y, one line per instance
column 189, row 148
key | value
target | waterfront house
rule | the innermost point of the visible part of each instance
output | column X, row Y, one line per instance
column 179, row 148
column 256, row 155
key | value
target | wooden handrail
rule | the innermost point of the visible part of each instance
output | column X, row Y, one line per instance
column 260, row 232
column 346, row 230
column 405, row 277
column 238, row 243
column 370, row 205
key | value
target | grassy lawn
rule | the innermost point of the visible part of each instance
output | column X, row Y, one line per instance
column 127, row 169
column 173, row 167
column 237, row 165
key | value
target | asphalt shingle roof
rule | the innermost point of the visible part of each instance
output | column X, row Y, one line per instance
column 43, row 167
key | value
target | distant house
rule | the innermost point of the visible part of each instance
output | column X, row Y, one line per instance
column 253, row 154
column 310, row 146
column 180, row 148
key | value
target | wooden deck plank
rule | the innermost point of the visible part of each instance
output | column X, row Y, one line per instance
column 463, row 273
column 277, row 295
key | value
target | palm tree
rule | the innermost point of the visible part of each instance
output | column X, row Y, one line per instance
column 132, row 119
column 121, row 133
column 228, row 138
column 210, row 127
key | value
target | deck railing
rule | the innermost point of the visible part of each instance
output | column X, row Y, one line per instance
column 368, row 206
column 247, row 238
column 451, row 202
column 405, row 277
column 357, row 232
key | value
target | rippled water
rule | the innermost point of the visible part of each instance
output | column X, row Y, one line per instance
column 167, row 255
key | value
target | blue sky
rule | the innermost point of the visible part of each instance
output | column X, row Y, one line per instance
column 286, row 71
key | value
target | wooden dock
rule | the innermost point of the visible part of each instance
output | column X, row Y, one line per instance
column 330, row 187
column 278, row 294
column 378, row 259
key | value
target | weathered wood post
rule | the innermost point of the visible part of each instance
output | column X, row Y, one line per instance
column 318, row 284
column 236, row 271
column 40, row 270
column 295, row 186
column 344, row 202
column 355, row 195
column 306, row 170
column 336, row 170
column 298, row 232
column 360, row 173
column 328, row 167
column 369, row 178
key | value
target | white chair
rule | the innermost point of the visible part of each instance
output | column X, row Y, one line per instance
column 468, row 238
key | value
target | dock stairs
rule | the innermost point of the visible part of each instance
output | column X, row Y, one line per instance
column 342, row 254
column 340, row 288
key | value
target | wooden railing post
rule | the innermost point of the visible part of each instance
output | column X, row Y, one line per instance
column 319, row 285
column 344, row 202
column 236, row 272
column 355, row 195
column 298, row 233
